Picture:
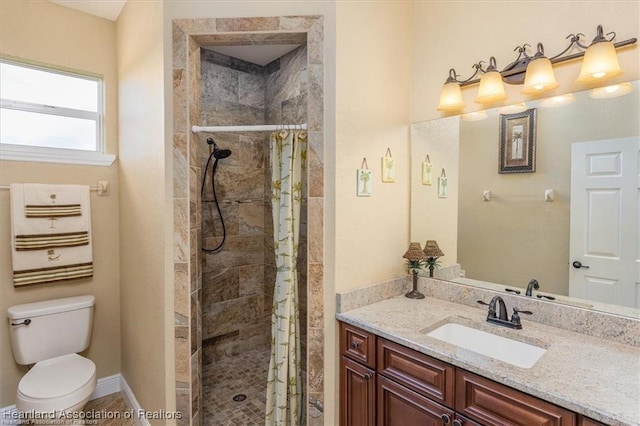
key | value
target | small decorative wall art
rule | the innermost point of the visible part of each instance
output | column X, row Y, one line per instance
column 364, row 180
column 388, row 168
column 443, row 191
column 427, row 167
column 518, row 142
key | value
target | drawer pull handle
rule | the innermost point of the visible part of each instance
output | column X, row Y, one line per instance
column 457, row 422
column 445, row 419
column 367, row 377
column 354, row 345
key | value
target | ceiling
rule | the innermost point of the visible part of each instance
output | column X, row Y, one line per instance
column 256, row 54
column 110, row 9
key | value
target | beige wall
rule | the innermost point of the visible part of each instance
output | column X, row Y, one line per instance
column 48, row 34
column 373, row 71
column 458, row 34
column 373, row 78
column 146, row 211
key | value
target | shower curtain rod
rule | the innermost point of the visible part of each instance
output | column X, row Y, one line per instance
column 256, row 128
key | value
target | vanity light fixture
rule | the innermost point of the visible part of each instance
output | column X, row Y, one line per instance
column 536, row 72
column 539, row 77
column 600, row 60
column 557, row 101
column 512, row 109
column 474, row 116
column 491, row 88
column 612, row 91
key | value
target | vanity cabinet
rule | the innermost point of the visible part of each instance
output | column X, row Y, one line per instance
column 385, row 384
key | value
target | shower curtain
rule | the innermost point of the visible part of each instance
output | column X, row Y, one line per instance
column 284, row 386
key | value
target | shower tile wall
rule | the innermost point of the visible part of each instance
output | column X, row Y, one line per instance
column 189, row 36
column 237, row 281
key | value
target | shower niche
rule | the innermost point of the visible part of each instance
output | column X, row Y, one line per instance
column 238, row 278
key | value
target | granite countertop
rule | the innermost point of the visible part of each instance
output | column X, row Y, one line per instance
column 591, row 376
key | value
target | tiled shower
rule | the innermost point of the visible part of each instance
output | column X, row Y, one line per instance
column 238, row 280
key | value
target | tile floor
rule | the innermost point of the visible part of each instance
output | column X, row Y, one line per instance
column 222, row 380
column 113, row 406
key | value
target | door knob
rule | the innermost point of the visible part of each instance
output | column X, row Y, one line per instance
column 577, row 264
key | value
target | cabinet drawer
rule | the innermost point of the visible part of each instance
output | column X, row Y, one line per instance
column 492, row 403
column 357, row 344
column 427, row 376
column 399, row 406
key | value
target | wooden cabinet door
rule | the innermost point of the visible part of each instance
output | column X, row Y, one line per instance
column 400, row 406
column 357, row 394
column 491, row 403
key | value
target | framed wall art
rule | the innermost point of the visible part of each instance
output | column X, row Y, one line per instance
column 364, row 181
column 518, row 142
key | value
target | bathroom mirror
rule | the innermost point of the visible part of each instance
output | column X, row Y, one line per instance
column 505, row 229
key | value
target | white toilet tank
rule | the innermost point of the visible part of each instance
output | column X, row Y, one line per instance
column 50, row 328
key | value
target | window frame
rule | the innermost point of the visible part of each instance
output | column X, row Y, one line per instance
column 18, row 152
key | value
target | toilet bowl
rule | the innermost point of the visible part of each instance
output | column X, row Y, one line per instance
column 48, row 335
column 62, row 384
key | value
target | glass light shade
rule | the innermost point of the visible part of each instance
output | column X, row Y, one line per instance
column 558, row 101
column 474, row 116
column 600, row 63
column 512, row 109
column 491, row 88
column 611, row 91
column 451, row 98
column 539, row 77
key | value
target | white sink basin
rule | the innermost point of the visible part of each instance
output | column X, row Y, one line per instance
column 516, row 353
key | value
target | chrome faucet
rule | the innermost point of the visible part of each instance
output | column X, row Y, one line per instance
column 498, row 313
column 533, row 285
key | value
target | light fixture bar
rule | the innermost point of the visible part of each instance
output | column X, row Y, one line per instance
column 519, row 66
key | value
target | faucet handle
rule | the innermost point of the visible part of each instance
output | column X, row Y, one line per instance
column 515, row 318
column 482, row 303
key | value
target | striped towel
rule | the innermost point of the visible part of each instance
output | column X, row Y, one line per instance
column 51, row 233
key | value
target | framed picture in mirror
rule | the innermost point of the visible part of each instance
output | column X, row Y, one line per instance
column 518, row 142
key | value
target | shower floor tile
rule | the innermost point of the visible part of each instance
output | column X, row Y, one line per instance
column 244, row 374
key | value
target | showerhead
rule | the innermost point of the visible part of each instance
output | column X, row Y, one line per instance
column 217, row 152
column 221, row 153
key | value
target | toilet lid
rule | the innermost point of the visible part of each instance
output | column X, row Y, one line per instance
column 57, row 377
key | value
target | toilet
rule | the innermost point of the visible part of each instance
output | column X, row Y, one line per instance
column 49, row 335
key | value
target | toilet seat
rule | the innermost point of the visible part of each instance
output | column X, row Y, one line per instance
column 56, row 384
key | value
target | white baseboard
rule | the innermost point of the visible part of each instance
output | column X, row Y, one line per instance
column 105, row 386
column 132, row 402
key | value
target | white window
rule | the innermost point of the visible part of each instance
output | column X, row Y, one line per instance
column 50, row 115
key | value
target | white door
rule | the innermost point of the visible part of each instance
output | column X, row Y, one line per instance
column 604, row 262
